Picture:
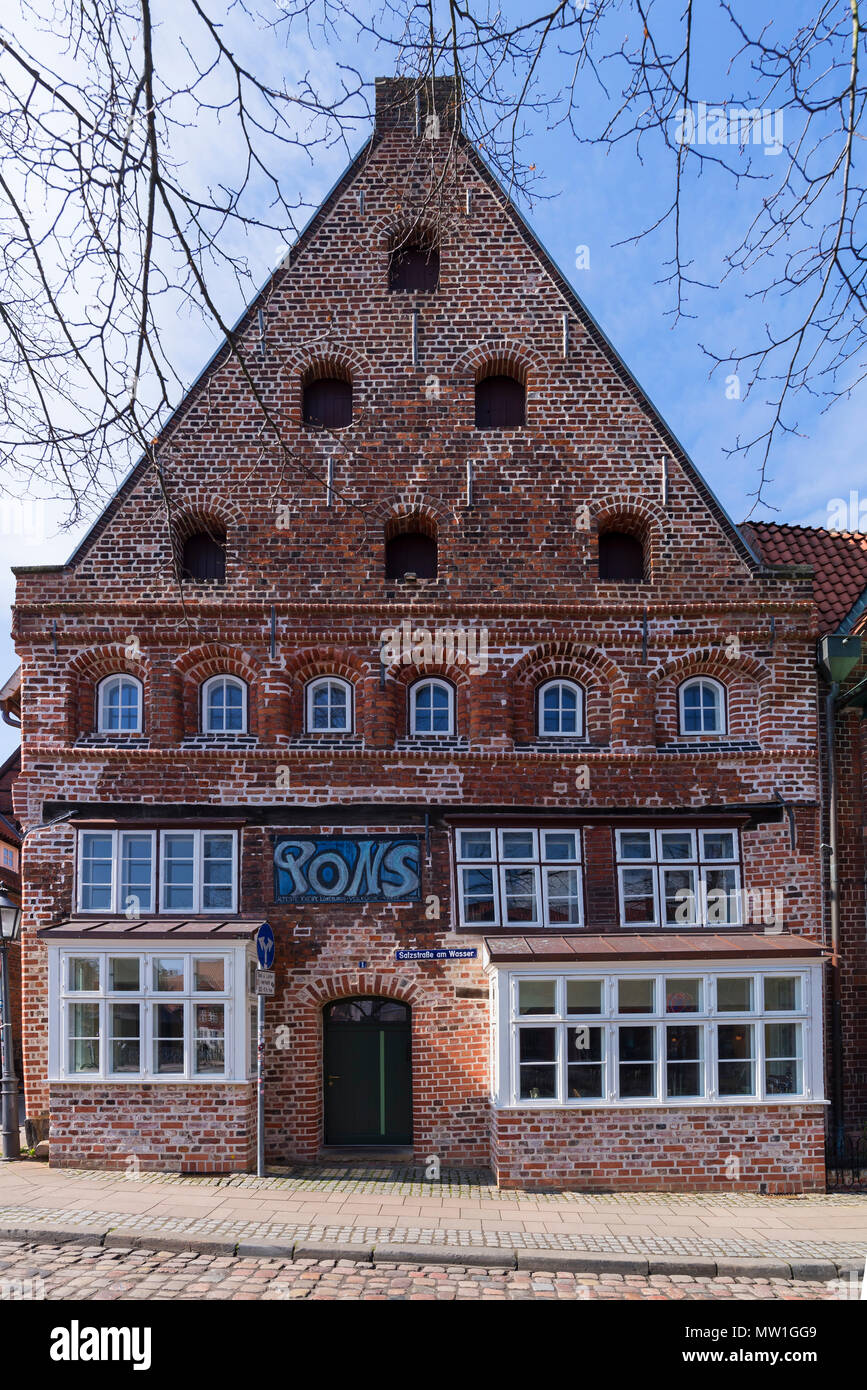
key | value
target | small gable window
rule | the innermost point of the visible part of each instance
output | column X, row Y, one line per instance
column 327, row 402
column 119, row 705
column 410, row 554
column 621, row 557
column 329, row 706
column 431, row 708
column 414, row 266
column 702, row 707
column 560, row 710
column 501, row 403
column 204, row 556
column 224, row 706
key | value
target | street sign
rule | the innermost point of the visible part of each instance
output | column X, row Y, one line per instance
column 265, row 946
column 265, row 981
column 465, row 953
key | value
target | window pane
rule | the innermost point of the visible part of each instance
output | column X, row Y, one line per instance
column 676, row 844
column 733, row 995
column 538, row 1072
column 736, row 1059
column 679, row 889
column 635, row 996
column 519, row 844
column 83, row 1037
column 782, row 992
column 210, row 1038
column 178, row 872
column 521, row 896
column 84, row 973
column 564, row 902
column 585, row 1068
column 717, row 844
column 477, row 894
column 136, row 872
column 96, row 873
column 636, row 844
column 125, row 1032
column 123, row 973
column 560, row 844
column 639, row 904
column 209, row 975
column 475, row 844
column 583, row 996
column 537, row 997
column 168, row 1037
column 637, row 1065
column 168, row 974
column 683, row 996
column 721, row 897
column 683, row 1061
column 783, row 1058
column 217, row 871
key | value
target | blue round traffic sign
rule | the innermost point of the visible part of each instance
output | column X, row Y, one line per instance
column 265, row 946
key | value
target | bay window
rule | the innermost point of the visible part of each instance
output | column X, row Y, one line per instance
column 156, row 1015
column 678, row 878
column 631, row 1037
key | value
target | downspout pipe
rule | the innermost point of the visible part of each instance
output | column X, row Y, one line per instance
column 834, row 906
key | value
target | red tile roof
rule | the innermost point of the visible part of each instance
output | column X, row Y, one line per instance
column 838, row 558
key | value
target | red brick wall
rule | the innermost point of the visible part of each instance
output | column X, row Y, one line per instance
column 189, row 1129
column 678, row 1150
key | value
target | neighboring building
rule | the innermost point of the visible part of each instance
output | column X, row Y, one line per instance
column 839, row 562
column 10, row 854
column 476, row 694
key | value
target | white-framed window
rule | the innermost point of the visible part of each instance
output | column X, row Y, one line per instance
column 560, row 710
column 10, row 858
column 224, row 705
column 702, row 706
column 678, row 878
column 118, row 871
column 431, row 707
column 329, row 706
column 119, row 705
column 516, row 877
column 158, row 1014
column 198, row 871
column 685, row 1035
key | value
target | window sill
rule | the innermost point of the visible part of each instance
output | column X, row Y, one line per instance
column 112, row 741
column 651, row 1103
column 216, row 740
column 150, row 1080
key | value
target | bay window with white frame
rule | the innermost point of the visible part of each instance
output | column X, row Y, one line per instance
column 156, row 1013
column 731, row 1034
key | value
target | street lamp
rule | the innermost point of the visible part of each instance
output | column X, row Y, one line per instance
column 10, row 925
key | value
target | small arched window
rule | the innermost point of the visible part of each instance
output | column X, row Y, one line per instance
column 224, row 706
column 328, row 402
column 621, row 556
column 414, row 266
column 329, row 706
column 410, row 553
column 204, row 556
column 119, row 705
column 501, row 403
column 560, row 710
column 431, row 707
column 702, row 706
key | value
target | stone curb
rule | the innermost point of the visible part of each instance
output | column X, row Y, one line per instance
column 815, row 1270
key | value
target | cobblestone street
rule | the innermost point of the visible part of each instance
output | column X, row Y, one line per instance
column 84, row 1272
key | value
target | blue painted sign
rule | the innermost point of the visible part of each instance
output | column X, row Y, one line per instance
column 347, row 869
column 265, row 946
column 469, row 953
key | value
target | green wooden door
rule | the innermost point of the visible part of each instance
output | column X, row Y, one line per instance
column 368, row 1072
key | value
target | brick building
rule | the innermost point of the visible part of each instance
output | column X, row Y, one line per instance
column 10, row 855
column 474, row 692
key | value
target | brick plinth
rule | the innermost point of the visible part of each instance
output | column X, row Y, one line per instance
column 684, row 1150
column 188, row 1129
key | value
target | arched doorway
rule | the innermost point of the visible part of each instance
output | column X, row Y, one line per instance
column 368, row 1072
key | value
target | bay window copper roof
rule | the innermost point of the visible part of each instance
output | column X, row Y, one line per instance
column 658, row 947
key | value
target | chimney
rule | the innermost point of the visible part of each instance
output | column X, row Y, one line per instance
column 423, row 106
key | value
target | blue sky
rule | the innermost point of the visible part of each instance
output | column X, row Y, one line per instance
column 595, row 199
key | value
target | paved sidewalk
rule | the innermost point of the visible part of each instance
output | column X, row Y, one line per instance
column 370, row 1213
